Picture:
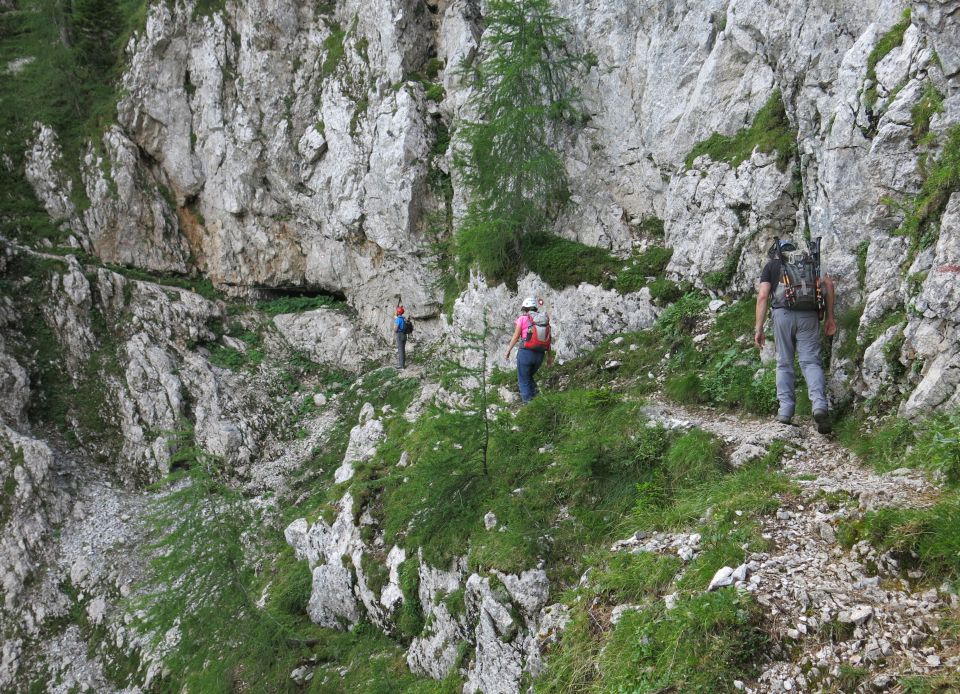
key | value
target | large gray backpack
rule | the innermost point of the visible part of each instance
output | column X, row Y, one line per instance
column 799, row 286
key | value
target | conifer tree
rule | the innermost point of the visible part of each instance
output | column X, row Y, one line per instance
column 523, row 95
column 94, row 28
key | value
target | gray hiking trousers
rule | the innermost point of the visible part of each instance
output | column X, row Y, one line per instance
column 401, row 349
column 798, row 332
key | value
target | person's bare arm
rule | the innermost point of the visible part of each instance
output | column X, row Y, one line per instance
column 763, row 297
column 829, row 325
column 513, row 341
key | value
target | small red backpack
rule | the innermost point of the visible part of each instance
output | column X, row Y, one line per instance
column 537, row 337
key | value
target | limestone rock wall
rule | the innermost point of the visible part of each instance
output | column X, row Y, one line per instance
column 281, row 146
column 289, row 147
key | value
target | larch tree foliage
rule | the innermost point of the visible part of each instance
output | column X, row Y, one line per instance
column 95, row 25
column 524, row 94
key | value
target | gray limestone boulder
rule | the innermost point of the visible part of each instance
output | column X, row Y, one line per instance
column 331, row 337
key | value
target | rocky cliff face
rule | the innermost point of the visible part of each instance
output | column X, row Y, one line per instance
column 279, row 150
column 273, row 147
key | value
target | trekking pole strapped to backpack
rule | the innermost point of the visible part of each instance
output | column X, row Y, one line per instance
column 815, row 253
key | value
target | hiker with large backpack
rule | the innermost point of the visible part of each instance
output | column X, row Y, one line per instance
column 532, row 330
column 800, row 296
column 402, row 326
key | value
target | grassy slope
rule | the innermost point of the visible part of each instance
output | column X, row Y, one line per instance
column 71, row 89
column 603, row 473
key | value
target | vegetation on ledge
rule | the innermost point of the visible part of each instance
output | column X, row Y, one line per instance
column 769, row 132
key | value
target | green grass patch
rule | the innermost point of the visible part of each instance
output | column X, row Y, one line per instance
column 79, row 408
column 861, row 254
column 930, row 104
column 298, row 304
column 664, row 291
column 769, row 132
column 848, row 324
column 382, row 388
column 70, row 85
column 227, row 643
column 652, row 226
column 563, row 263
column 333, row 47
column 649, row 264
column 927, row 539
column 885, row 44
column 750, row 490
column 630, row 578
column 701, row 646
column 922, row 223
column 654, row 649
column 198, row 285
column 931, row 684
column 681, row 317
column 599, row 449
column 718, row 280
column 932, row 445
column 228, row 357
column 725, row 369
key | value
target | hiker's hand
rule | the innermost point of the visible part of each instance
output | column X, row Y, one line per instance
column 759, row 338
column 830, row 327
column 507, row 356
column 550, row 359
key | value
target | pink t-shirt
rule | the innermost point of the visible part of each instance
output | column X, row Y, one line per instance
column 524, row 322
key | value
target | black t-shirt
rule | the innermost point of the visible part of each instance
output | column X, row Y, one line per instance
column 771, row 274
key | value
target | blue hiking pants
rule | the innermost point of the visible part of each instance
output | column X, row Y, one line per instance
column 528, row 361
column 798, row 333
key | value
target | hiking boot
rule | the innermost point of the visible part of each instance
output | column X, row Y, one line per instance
column 822, row 418
column 783, row 419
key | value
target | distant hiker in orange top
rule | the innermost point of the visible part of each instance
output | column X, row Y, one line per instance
column 533, row 329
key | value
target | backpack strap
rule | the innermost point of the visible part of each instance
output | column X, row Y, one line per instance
column 776, row 245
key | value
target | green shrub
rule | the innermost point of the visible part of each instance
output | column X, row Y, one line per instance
column 770, row 132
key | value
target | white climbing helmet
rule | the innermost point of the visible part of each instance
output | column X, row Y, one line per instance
column 530, row 302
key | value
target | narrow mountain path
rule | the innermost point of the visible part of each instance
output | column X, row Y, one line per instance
column 846, row 620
